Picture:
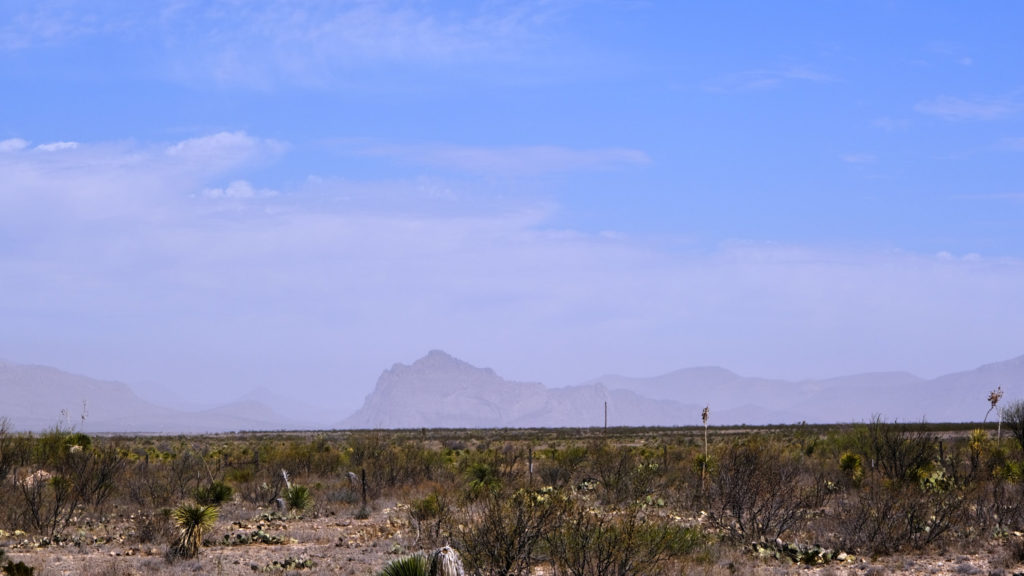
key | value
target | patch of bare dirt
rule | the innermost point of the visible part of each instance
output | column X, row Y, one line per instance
column 259, row 541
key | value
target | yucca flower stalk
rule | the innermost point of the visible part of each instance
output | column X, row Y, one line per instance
column 704, row 415
column 295, row 496
column 194, row 521
column 993, row 398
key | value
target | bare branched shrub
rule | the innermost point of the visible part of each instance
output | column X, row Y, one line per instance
column 759, row 490
column 158, row 480
column 67, row 476
column 996, row 506
column 155, row 527
column 588, row 542
column 8, row 458
column 624, row 477
column 432, row 517
column 898, row 451
column 561, row 467
column 258, row 487
column 502, row 531
column 1013, row 415
column 389, row 464
column 884, row 518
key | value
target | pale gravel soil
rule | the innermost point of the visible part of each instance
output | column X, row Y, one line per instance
column 342, row 544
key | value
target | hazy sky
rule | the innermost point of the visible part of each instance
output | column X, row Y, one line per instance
column 210, row 196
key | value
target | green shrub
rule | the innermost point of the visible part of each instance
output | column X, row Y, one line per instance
column 426, row 508
column 193, row 521
column 416, row 565
column 216, row 493
column 483, row 478
column 852, row 465
column 298, row 497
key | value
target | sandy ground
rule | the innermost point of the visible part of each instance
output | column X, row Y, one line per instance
column 342, row 544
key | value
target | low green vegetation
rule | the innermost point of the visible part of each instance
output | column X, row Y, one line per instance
column 575, row 501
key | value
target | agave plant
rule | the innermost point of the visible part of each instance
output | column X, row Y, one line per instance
column 416, row 565
column 193, row 521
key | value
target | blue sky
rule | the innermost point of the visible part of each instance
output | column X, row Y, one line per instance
column 209, row 196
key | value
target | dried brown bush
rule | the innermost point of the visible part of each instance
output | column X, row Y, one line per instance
column 502, row 531
column 759, row 489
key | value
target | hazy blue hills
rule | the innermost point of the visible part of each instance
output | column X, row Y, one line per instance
column 33, row 398
column 440, row 390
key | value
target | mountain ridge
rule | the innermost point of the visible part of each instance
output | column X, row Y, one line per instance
column 676, row 397
column 440, row 390
column 37, row 397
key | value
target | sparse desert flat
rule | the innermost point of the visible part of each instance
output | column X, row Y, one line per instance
column 873, row 498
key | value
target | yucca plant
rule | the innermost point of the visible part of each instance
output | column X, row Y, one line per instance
column 193, row 521
column 416, row 565
column 298, row 497
column 295, row 497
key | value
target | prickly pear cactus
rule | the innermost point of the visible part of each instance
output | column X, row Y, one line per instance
column 446, row 561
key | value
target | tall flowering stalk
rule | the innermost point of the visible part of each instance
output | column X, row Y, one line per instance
column 993, row 399
column 704, row 464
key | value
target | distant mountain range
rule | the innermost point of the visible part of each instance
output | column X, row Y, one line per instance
column 439, row 390
column 34, row 397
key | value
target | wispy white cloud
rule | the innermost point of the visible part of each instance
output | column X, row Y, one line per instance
column 223, row 149
column 57, row 146
column 952, row 108
column 511, row 160
column 260, row 43
column 12, row 144
column 231, row 144
column 25, row 25
column 83, row 181
column 765, row 79
column 238, row 190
